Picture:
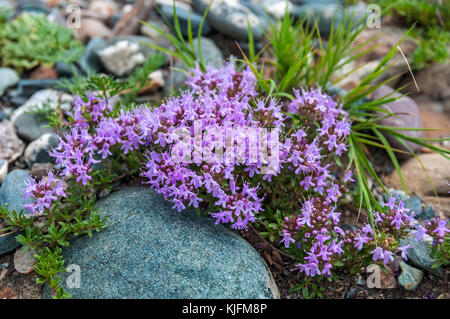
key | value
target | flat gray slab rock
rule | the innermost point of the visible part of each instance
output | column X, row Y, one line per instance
column 150, row 250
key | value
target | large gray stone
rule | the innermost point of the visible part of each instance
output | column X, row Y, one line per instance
column 12, row 190
column 150, row 250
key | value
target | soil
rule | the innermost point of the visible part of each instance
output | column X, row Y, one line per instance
column 14, row 285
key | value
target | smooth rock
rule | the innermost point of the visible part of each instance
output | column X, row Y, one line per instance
column 8, row 242
column 103, row 8
column 427, row 214
column 438, row 121
column 210, row 52
column 8, row 78
column 24, row 261
column 416, row 180
column 358, row 10
column 32, row 126
column 150, row 250
column 37, row 151
column 434, row 81
column 408, row 116
column 276, row 8
column 93, row 28
column 419, row 254
column 176, row 79
column 351, row 292
column 11, row 147
column 410, row 277
column 397, row 193
column 90, row 62
column 211, row 56
column 380, row 42
column 47, row 98
column 317, row 1
column 32, row 6
column 155, row 36
column 230, row 18
column 28, row 87
column 183, row 15
column 429, row 104
column 414, row 204
column 3, row 170
column 324, row 14
column 64, row 70
column 121, row 58
column 112, row 21
column 56, row 16
column 11, row 191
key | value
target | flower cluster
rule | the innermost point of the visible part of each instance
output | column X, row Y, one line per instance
column 316, row 232
column 224, row 104
column 218, row 101
column 184, row 135
column 392, row 223
column 436, row 228
column 92, row 134
column 49, row 189
column 314, row 105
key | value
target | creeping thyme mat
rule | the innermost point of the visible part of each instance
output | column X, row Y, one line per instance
column 233, row 191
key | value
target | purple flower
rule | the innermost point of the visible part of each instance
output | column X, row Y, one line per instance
column 419, row 233
column 378, row 254
column 287, row 239
column 348, row 177
column 441, row 229
column 404, row 250
column 360, row 240
column 43, row 193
